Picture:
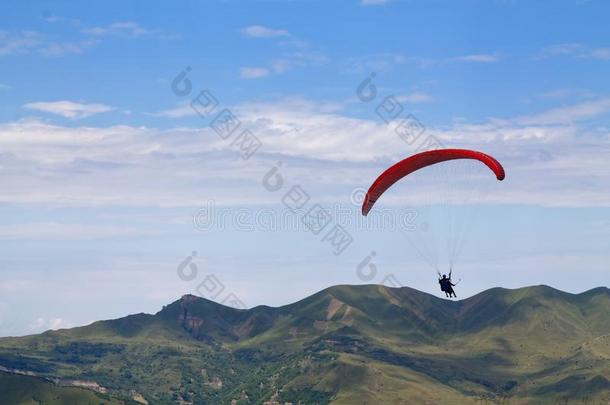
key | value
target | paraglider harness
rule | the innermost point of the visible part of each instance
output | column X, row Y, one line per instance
column 447, row 285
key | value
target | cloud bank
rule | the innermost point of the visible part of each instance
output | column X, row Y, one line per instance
column 552, row 158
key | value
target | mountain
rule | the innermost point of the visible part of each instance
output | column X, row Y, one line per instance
column 365, row 344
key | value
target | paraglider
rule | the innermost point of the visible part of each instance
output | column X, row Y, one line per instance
column 419, row 161
column 442, row 188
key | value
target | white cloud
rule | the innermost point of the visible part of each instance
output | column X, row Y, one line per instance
column 62, row 231
column 373, row 2
column 379, row 62
column 288, row 61
column 296, row 53
column 62, row 48
column 280, row 65
column 116, row 165
column 577, row 50
column 69, row 109
column 253, row 72
column 23, row 42
column 550, row 159
column 124, row 28
column 183, row 110
column 600, row 53
column 387, row 61
column 481, row 58
column 53, row 18
column 415, row 98
column 569, row 114
column 33, row 42
column 260, row 31
column 573, row 160
column 567, row 93
column 42, row 324
column 563, row 49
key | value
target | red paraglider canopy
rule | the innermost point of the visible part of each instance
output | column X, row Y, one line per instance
column 420, row 160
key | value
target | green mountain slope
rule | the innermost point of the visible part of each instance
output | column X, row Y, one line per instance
column 26, row 390
column 344, row 345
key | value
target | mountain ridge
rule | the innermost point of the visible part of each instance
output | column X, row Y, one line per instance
column 341, row 345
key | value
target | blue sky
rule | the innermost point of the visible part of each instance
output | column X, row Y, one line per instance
column 104, row 167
